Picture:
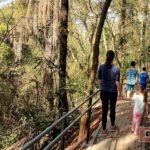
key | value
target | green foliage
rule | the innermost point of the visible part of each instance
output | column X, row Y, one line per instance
column 8, row 140
column 6, row 55
column 23, row 95
column 2, row 27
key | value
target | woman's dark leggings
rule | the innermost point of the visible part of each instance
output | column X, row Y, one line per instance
column 108, row 97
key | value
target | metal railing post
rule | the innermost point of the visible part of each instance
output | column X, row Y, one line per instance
column 89, row 118
column 62, row 145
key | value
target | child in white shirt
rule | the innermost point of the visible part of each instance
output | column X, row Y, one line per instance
column 138, row 110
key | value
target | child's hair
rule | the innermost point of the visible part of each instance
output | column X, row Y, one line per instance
column 139, row 89
column 144, row 68
column 133, row 63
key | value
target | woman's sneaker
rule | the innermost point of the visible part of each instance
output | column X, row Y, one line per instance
column 114, row 128
column 104, row 133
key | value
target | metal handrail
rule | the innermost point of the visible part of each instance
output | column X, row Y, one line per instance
column 66, row 129
column 38, row 137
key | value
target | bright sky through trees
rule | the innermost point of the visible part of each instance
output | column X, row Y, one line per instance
column 4, row 2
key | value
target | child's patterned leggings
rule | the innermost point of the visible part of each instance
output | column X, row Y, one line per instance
column 137, row 116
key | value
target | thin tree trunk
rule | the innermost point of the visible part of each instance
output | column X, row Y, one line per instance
column 122, row 35
column 104, row 41
column 44, row 10
column 17, row 45
column 50, row 50
column 114, row 49
column 28, row 16
column 63, row 37
column 122, row 30
column 143, row 33
column 94, row 67
column 55, row 24
column 35, row 18
column 123, row 17
column 40, row 13
column 144, row 23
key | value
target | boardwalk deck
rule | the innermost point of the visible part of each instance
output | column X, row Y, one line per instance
column 122, row 139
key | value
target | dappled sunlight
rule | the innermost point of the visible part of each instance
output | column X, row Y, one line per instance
column 103, row 144
column 63, row 63
column 121, row 143
column 126, row 141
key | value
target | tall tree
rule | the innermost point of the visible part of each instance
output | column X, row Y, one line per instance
column 49, row 51
column 63, row 48
column 143, row 30
column 122, row 38
column 42, row 26
column 95, row 62
column 123, row 17
column 17, row 44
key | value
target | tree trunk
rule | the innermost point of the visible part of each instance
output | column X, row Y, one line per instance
column 104, row 41
column 94, row 67
column 17, row 45
column 28, row 16
column 50, row 49
column 44, row 10
column 144, row 24
column 35, row 19
column 122, row 29
column 143, row 33
column 40, row 13
column 63, row 103
column 123, row 17
column 122, row 35
column 114, row 49
column 44, row 32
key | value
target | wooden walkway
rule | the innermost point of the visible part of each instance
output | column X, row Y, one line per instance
column 122, row 139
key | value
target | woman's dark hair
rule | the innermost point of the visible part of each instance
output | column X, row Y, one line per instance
column 109, row 57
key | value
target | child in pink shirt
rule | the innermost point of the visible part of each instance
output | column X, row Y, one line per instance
column 138, row 110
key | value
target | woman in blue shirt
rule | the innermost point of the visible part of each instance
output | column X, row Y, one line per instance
column 109, row 84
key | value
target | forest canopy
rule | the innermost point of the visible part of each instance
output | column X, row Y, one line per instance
column 49, row 50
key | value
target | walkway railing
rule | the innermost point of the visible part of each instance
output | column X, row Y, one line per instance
column 63, row 129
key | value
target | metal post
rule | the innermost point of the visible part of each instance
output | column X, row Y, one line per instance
column 89, row 118
column 62, row 145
